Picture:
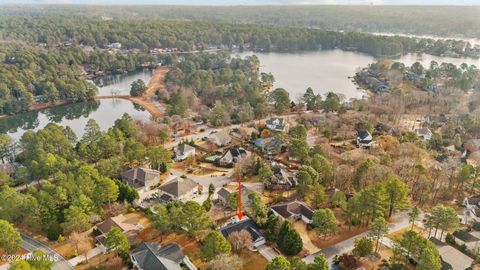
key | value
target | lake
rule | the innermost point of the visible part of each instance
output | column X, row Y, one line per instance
column 104, row 111
column 323, row 71
column 120, row 83
column 329, row 70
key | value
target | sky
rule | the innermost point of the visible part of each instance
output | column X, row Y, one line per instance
column 247, row 2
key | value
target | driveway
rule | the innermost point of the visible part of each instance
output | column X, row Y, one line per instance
column 267, row 252
column 307, row 242
column 31, row 245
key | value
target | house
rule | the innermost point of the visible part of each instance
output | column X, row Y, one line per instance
column 179, row 189
column 115, row 45
column 223, row 194
column 245, row 224
column 365, row 139
column 424, row 133
column 451, row 257
column 472, row 206
column 121, row 222
column 372, row 82
column 243, row 133
column 294, row 210
column 141, row 178
column 440, row 119
column 232, row 155
column 282, row 178
column 183, row 151
column 469, row 240
column 270, row 145
column 431, row 88
column 276, row 124
column 412, row 77
column 383, row 129
column 152, row 256
column 220, row 138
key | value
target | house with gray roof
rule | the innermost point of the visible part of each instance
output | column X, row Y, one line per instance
column 152, row 256
column 452, row 258
column 282, row 179
column 179, row 189
column 270, row 145
column 294, row 210
column 472, row 205
column 232, row 155
column 220, row 138
column 468, row 239
column 276, row 124
column 183, row 151
column 141, row 179
column 248, row 225
column 424, row 133
column 224, row 193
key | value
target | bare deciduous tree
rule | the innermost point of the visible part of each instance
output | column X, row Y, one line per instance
column 240, row 240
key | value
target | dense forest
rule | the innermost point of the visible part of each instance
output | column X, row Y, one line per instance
column 44, row 58
column 419, row 20
column 29, row 76
column 148, row 34
column 80, row 190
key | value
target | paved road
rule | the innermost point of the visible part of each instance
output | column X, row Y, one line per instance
column 31, row 245
column 217, row 181
column 400, row 223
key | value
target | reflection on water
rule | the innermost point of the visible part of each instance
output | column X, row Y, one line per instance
column 105, row 112
column 324, row 71
column 329, row 70
column 121, row 83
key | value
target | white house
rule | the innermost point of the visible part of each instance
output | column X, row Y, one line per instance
column 183, row 151
column 276, row 124
column 424, row 133
column 365, row 139
column 472, row 206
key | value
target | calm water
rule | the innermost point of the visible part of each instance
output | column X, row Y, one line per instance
column 329, row 70
column 104, row 111
column 323, row 71
column 121, row 83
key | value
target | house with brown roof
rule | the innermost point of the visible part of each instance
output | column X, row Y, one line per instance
column 141, row 179
column 179, row 189
column 220, row 138
column 121, row 222
column 294, row 210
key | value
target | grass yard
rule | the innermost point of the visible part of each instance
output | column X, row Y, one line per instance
column 252, row 260
column 343, row 233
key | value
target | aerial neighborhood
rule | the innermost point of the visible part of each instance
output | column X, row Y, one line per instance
column 239, row 137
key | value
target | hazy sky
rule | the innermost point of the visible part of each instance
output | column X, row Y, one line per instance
column 247, row 2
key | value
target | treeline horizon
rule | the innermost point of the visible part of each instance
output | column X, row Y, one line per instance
column 417, row 20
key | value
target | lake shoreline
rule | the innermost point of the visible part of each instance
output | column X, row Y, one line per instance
column 157, row 82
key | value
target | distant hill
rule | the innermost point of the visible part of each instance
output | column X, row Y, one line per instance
column 451, row 21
